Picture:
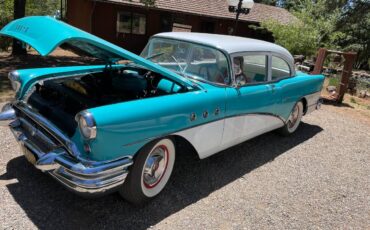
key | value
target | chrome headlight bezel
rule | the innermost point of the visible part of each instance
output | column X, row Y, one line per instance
column 86, row 124
column 15, row 80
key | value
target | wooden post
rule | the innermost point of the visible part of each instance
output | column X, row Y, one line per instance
column 346, row 74
column 320, row 61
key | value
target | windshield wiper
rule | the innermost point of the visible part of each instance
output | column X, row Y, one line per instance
column 178, row 64
column 154, row 55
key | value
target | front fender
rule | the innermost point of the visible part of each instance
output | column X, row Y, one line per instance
column 123, row 128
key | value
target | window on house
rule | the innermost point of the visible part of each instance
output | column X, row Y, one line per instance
column 131, row 23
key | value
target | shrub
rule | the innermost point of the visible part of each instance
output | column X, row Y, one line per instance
column 298, row 38
column 6, row 15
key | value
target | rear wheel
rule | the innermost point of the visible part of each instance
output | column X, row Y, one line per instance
column 150, row 173
column 294, row 120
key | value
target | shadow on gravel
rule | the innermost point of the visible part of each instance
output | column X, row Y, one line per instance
column 48, row 205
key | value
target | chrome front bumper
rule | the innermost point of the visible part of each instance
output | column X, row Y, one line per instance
column 50, row 151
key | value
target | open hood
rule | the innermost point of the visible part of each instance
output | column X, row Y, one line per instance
column 45, row 34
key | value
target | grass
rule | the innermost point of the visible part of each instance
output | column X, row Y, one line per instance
column 334, row 81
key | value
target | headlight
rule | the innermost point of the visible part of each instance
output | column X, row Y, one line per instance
column 14, row 80
column 87, row 124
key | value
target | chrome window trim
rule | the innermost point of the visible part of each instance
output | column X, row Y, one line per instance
column 269, row 55
column 224, row 52
column 291, row 68
column 251, row 53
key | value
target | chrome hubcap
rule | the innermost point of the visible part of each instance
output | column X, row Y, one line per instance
column 294, row 116
column 155, row 166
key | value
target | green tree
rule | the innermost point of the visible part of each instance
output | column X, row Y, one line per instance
column 354, row 24
column 315, row 27
column 6, row 15
column 42, row 7
column 10, row 9
column 335, row 24
column 287, row 4
column 298, row 38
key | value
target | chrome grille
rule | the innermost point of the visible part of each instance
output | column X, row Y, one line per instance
column 36, row 134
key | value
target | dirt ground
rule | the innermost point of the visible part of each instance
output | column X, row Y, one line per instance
column 317, row 178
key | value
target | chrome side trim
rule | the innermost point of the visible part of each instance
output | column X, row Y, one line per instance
column 202, row 124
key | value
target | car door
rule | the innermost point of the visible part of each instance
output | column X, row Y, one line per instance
column 250, row 106
column 285, row 88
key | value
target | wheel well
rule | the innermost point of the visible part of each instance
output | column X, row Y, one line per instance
column 304, row 101
column 184, row 146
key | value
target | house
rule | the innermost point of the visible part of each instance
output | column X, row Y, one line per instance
column 129, row 23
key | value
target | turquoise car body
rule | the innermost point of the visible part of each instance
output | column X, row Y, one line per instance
column 124, row 128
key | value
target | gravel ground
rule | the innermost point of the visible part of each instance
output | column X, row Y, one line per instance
column 319, row 178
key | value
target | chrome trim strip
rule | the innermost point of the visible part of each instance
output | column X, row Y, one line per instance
column 74, row 185
column 205, row 123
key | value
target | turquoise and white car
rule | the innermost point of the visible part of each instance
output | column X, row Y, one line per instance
column 115, row 127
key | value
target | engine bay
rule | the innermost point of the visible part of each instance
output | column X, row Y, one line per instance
column 61, row 99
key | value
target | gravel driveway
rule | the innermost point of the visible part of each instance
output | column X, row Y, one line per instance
column 317, row 178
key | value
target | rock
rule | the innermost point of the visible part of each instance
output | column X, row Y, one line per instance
column 362, row 94
column 331, row 88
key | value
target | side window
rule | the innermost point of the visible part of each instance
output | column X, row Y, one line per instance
column 280, row 69
column 250, row 69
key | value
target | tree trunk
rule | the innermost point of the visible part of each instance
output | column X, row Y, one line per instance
column 19, row 12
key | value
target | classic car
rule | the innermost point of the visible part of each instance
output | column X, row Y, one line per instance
column 115, row 126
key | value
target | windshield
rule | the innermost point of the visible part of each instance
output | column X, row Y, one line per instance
column 197, row 61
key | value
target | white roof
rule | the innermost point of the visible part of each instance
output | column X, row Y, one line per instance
column 230, row 44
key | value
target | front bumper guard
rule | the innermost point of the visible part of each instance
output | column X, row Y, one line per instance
column 87, row 178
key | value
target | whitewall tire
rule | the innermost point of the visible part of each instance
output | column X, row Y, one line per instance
column 294, row 120
column 151, row 171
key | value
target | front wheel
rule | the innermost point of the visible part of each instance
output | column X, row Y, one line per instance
column 150, row 173
column 294, row 120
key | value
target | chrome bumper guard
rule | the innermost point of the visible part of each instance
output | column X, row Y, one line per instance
column 55, row 154
column 315, row 106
